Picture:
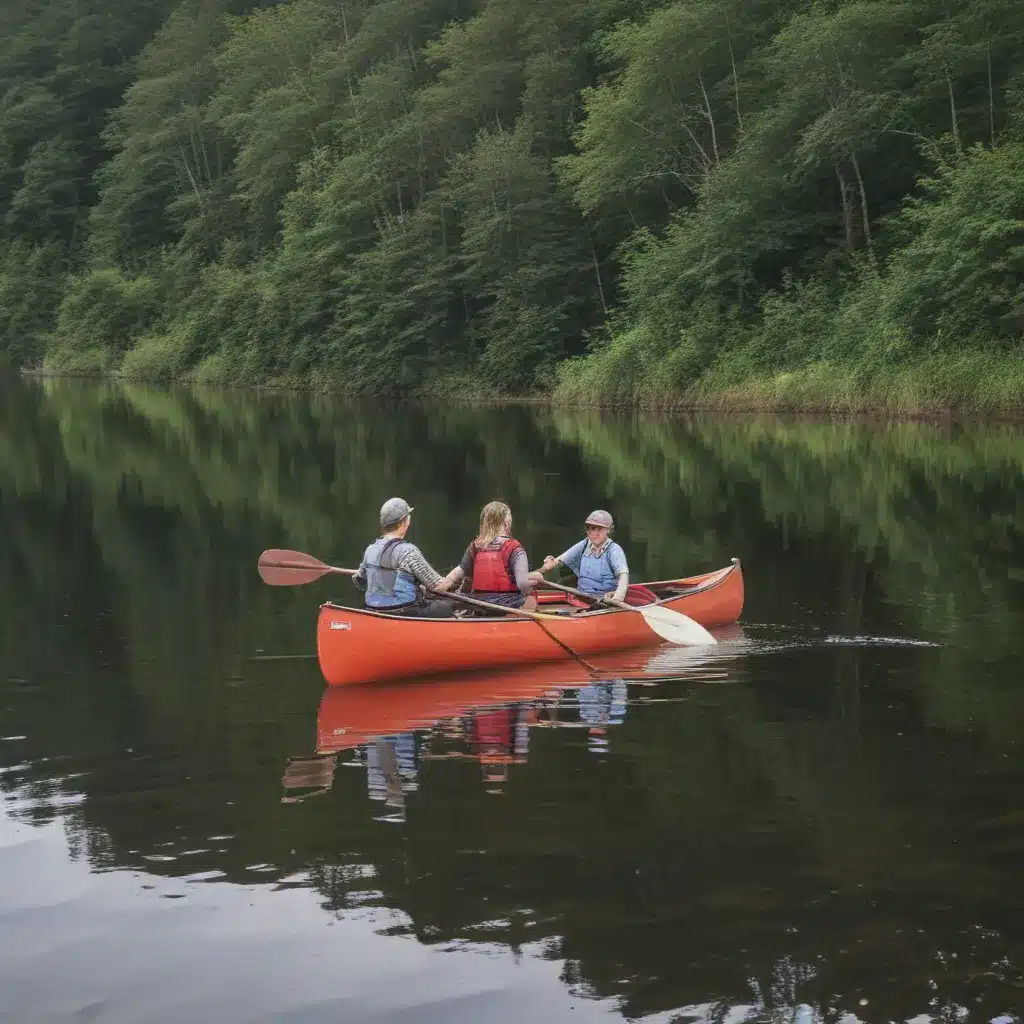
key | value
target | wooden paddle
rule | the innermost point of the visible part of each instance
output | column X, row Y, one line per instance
column 668, row 624
column 283, row 568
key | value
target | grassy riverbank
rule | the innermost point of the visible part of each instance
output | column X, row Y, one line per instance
column 969, row 384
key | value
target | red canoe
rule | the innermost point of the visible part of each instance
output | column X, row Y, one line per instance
column 358, row 645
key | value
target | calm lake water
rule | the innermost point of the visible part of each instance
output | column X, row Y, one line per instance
column 821, row 819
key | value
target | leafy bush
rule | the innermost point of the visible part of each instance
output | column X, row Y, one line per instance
column 103, row 309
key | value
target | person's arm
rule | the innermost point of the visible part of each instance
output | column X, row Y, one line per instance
column 360, row 577
column 521, row 572
column 463, row 570
column 619, row 566
column 570, row 558
column 410, row 559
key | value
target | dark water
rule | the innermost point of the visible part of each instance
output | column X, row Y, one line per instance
column 822, row 819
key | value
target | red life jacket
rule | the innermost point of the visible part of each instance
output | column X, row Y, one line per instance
column 492, row 570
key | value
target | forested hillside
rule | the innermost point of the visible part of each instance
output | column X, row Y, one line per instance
column 749, row 202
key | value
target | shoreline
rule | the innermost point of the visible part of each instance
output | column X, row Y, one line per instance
column 739, row 408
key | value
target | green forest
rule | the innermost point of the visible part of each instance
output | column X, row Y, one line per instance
column 762, row 204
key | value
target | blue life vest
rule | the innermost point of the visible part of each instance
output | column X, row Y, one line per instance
column 595, row 574
column 387, row 587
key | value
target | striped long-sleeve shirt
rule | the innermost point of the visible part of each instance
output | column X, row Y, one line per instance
column 407, row 558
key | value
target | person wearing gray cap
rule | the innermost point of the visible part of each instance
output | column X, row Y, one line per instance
column 393, row 570
column 598, row 562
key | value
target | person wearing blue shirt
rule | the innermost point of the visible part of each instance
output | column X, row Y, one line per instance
column 598, row 562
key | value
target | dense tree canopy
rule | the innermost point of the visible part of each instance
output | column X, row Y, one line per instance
column 441, row 195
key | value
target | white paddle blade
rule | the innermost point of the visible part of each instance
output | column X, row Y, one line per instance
column 675, row 626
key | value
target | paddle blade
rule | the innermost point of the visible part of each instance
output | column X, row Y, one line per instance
column 675, row 626
column 282, row 568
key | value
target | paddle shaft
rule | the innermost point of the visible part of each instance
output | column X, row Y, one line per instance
column 539, row 619
column 597, row 598
column 305, row 566
column 324, row 569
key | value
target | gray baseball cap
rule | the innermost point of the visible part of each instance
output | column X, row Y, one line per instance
column 600, row 518
column 393, row 511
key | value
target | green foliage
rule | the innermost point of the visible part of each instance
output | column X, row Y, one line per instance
column 31, row 279
column 223, row 317
column 167, row 155
column 758, row 296
column 47, row 203
column 392, row 195
column 521, row 258
column 961, row 271
column 103, row 311
column 63, row 67
column 654, row 131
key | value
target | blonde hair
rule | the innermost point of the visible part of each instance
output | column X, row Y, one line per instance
column 492, row 521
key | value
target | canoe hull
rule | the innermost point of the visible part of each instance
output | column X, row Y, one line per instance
column 357, row 645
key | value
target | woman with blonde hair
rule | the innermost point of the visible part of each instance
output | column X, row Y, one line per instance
column 496, row 563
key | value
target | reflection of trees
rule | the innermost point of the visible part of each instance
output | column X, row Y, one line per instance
column 717, row 844
column 863, row 800
column 930, row 515
column 717, row 826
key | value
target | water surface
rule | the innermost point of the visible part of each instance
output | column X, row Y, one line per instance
column 820, row 819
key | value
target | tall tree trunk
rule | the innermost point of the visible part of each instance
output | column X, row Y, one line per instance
column 735, row 76
column 469, row 321
column 348, row 78
column 206, row 159
column 991, row 94
column 844, row 195
column 597, row 274
column 195, row 149
column 952, row 114
column 710, row 117
column 421, row 163
column 863, row 201
column 191, row 178
column 355, row 109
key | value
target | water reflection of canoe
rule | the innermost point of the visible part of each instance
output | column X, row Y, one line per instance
column 353, row 715
column 357, row 645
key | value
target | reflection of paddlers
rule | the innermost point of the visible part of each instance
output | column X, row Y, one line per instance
column 492, row 732
column 496, row 741
column 602, row 704
column 307, row 776
column 388, row 770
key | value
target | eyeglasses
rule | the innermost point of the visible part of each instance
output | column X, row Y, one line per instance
column 591, row 526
